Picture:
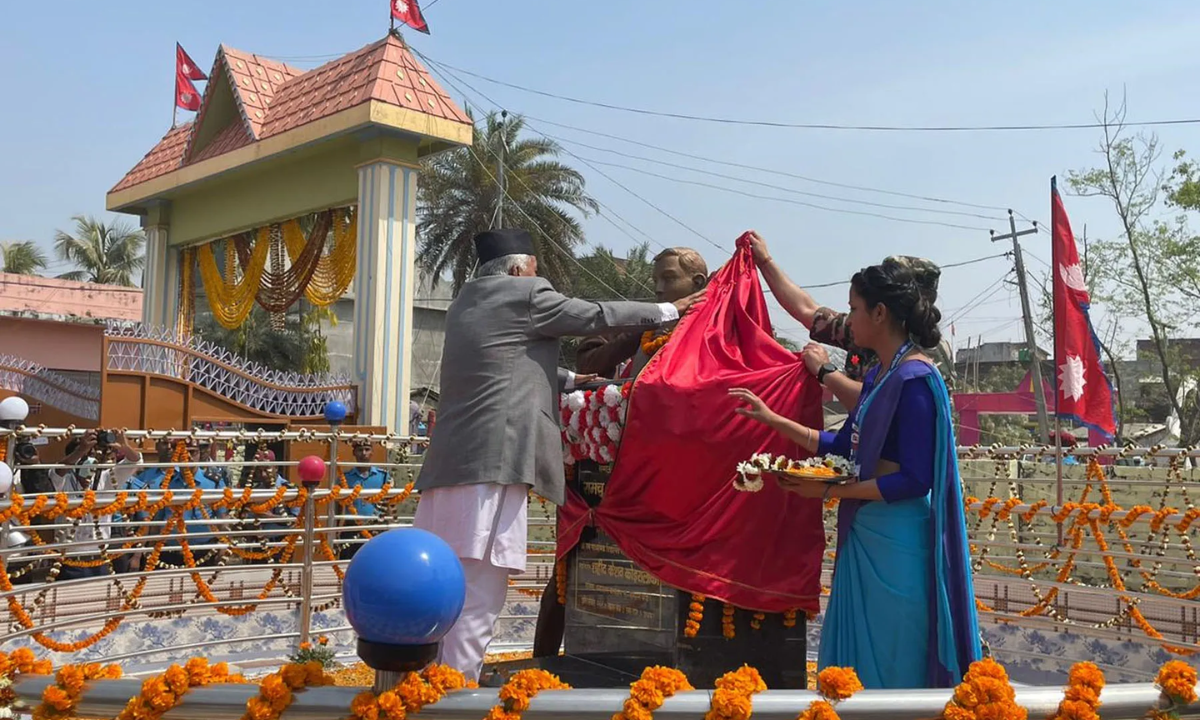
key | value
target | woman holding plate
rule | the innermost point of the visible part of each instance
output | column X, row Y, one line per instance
column 902, row 608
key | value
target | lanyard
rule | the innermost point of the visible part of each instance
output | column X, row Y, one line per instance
column 901, row 353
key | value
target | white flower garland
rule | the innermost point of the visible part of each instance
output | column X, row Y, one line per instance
column 750, row 478
column 592, row 423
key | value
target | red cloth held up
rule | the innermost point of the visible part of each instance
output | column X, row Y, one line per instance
column 670, row 502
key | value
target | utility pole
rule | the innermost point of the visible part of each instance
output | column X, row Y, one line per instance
column 500, row 175
column 1035, row 365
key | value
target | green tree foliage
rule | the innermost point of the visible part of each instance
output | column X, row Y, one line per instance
column 106, row 253
column 458, row 196
column 22, row 258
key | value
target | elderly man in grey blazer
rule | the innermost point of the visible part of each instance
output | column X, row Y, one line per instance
column 498, row 430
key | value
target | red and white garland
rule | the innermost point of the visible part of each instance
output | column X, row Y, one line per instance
column 592, row 421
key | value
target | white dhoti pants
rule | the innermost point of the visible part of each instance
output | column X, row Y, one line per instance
column 485, row 525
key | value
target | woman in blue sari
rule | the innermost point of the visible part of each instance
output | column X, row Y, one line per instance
column 902, row 608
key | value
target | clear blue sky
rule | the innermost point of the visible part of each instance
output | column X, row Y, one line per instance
column 88, row 89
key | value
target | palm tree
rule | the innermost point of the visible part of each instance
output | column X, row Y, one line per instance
column 103, row 253
column 458, row 196
column 22, row 258
column 604, row 276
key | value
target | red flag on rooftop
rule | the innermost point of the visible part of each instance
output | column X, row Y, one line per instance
column 1083, row 391
column 409, row 13
column 185, row 67
column 186, row 96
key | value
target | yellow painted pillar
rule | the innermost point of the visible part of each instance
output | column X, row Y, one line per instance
column 384, row 283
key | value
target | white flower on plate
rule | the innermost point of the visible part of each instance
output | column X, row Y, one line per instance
column 576, row 401
column 749, row 477
column 762, row 460
column 612, row 395
column 781, row 463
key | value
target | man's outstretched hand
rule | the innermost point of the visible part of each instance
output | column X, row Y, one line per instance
column 685, row 304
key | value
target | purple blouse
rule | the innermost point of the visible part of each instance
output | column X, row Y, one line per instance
column 910, row 438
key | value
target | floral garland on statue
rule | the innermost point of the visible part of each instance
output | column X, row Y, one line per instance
column 834, row 685
column 592, row 422
column 653, row 342
column 520, row 689
column 731, row 700
column 650, row 691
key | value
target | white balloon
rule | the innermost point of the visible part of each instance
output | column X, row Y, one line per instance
column 6, row 478
column 14, row 408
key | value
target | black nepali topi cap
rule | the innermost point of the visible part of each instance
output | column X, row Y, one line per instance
column 492, row 244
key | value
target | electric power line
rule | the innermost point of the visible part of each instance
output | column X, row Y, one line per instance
column 815, row 126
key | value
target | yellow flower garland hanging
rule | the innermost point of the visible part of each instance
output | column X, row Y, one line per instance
column 731, row 700
column 229, row 298
column 650, row 691
column 520, row 689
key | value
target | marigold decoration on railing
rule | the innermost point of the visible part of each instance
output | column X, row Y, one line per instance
column 520, row 689
column 21, row 662
column 731, row 700
column 650, row 691
column 695, row 616
column 413, row 692
column 275, row 692
column 164, row 692
column 984, row 694
column 1177, row 680
column 834, row 684
column 60, row 698
column 1081, row 698
column 592, row 422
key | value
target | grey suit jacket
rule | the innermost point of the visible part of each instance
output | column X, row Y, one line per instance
column 498, row 415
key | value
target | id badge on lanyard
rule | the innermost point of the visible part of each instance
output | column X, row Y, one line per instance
column 862, row 406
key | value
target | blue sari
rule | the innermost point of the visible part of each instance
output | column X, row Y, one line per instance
column 902, row 608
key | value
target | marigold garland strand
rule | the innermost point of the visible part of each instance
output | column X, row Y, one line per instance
column 732, row 698
column 520, row 689
column 650, row 691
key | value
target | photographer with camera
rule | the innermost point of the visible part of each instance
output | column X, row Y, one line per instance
column 77, row 476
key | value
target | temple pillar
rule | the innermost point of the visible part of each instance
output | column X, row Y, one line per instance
column 385, row 278
column 160, row 276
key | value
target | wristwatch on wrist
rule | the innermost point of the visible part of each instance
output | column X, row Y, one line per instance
column 825, row 370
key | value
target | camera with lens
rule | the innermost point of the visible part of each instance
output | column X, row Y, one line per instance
column 105, row 438
column 25, row 451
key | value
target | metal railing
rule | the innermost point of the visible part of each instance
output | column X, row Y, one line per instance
column 261, row 552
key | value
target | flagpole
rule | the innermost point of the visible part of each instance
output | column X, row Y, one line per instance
column 391, row 18
column 1054, row 262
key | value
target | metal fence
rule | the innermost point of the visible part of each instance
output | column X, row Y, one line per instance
column 1112, row 562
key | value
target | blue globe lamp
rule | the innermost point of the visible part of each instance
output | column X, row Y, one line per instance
column 335, row 412
column 403, row 591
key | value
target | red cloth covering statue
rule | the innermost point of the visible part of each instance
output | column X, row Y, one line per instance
column 670, row 503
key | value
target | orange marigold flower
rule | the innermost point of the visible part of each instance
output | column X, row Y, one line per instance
column 57, row 698
column 1178, row 680
column 819, row 710
column 838, row 683
column 305, row 646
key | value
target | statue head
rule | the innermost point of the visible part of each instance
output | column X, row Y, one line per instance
column 678, row 272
